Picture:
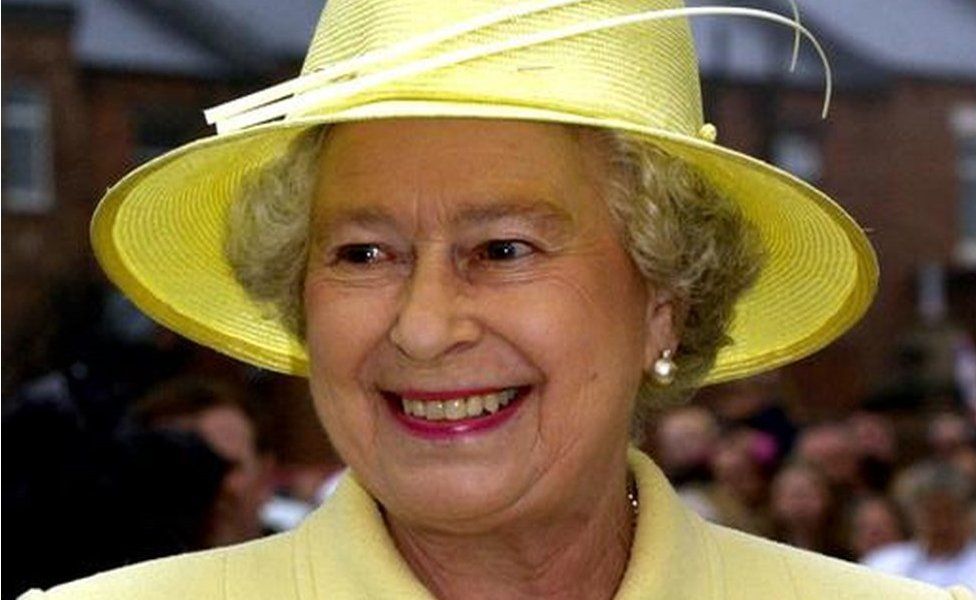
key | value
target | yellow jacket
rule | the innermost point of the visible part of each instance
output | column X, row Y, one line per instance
column 343, row 551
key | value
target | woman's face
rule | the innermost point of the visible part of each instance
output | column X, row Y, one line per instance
column 476, row 330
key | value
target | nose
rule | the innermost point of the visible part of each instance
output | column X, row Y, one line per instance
column 434, row 317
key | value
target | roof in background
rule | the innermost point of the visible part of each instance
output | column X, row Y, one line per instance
column 930, row 38
column 752, row 50
column 119, row 34
column 57, row 4
column 866, row 41
column 205, row 38
column 194, row 37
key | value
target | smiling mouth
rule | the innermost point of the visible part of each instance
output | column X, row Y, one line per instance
column 454, row 406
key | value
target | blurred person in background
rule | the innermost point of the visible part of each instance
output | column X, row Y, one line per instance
column 804, row 511
column 876, row 448
column 216, row 412
column 966, row 463
column 938, row 499
column 952, row 437
column 832, row 450
column 756, row 403
column 299, row 489
column 294, row 497
column 684, row 441
column 740, row 465
column 873, row 522
column 950, row 434
column 80, row 498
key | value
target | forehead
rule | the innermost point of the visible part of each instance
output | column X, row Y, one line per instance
column 452, row 165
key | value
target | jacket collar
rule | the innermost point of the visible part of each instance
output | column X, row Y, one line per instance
column 344, row 548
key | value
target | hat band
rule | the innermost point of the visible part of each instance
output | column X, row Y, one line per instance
column 340, row 80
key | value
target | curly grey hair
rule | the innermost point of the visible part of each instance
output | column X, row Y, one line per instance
column 682, row 234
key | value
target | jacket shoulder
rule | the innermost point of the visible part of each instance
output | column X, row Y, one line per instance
column 749, row 562
column 258, row 569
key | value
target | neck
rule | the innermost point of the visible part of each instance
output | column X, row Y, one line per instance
column 580, row 553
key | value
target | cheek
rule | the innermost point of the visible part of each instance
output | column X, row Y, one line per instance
column 601, row 309
column 343, row 329
column 342, row 325
column 582, row 327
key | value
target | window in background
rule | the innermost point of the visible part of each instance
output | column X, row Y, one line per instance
column 27, row 156
column 963, row 123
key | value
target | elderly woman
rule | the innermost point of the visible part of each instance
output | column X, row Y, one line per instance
column 937, row 498
column 492, row 234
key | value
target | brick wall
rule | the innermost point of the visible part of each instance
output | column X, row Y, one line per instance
column 41, row 250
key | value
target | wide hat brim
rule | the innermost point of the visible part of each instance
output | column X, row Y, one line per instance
column 159, row 235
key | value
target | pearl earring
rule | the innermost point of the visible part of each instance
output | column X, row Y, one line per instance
column 664, row 368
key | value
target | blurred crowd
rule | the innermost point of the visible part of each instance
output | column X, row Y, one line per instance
column 126, row 443
column 889, row 488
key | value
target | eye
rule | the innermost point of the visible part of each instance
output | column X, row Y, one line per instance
column 505, row 250
column 360, row 254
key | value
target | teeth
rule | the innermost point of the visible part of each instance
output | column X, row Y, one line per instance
column 474, row 406
column 416, row 408
column 459, row 408
column 507, row 396
column 435, row 411
column 456, row 409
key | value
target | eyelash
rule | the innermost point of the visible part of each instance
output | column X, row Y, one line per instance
column 490, row 254
column 513, row 249
column 347, row 254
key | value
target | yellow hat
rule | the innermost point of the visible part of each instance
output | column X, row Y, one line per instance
column 619, row 64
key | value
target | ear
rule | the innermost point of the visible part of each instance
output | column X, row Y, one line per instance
column 663, row 322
